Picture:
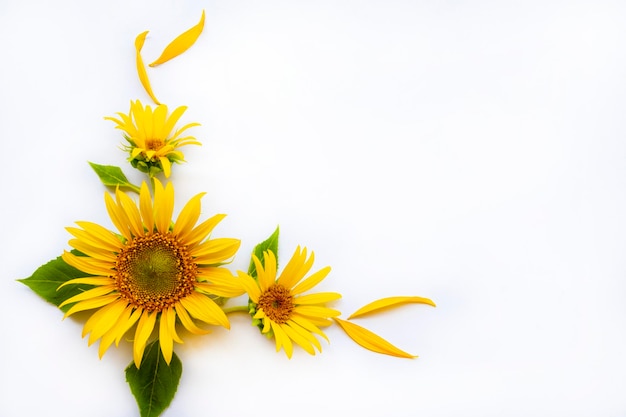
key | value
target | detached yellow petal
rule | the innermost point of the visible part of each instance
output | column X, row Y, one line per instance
column 371, row 341
column 389, row 302
column 141, row 68
column 179, row 45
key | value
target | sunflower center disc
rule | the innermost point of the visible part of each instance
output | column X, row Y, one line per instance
column 277, row 303
column 155, row 271
column 154, row 144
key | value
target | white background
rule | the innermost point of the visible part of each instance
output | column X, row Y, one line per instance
column 470, row 152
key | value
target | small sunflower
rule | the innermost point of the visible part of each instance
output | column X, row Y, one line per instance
column 152, row 145
column 156, row 271
column 279, row 309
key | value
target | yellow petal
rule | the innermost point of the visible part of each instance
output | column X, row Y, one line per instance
column 318, row 298
column 89, row 281
column 371, row 341
column 96, row 292
column 389, row 302
column 142, row 333
column 141, row 68
column 145, row 207
column 187, row 321
column 311, row 281
column 91, row 304
column 282, row 340
column 188, row 216
column 249, row 285
column 205, row 309
column 179, row 45
column 200, row 232
column 166, row 339
column 88, row 265
column 298, row 338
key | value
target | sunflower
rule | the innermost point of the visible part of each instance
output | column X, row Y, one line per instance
column 152, row 145
column 152, row 271
column 279, row 309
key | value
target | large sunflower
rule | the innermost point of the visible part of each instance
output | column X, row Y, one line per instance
column 155, row 271
column 152, row 145
column 279, row 307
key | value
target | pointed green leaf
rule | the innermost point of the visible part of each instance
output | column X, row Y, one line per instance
column 47, row 278
column 155, row 383
column 112, row 176
column 271, row 243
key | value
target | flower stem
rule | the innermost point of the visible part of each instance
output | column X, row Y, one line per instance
column 236, row 309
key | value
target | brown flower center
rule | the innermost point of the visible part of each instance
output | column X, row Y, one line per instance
column 277, row 303
column 154, row 144
column 155, row 271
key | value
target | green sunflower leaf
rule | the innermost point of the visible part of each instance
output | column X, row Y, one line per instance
column 155, row 383
column 112, row 176
column 271, row 243
column 47, row 278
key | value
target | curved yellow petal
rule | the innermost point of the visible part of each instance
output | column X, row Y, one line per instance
column 200, row 232
column 129, row 207
column 90, row 294
column 296, row 268
column 371, row 341
column 311, row 281
column 250, row 286
column 298, row 338
column 389, row 302
column 187, row 322
column 316, row 311
column 144, row 329
column 163, row 205
column 282, row 340
column 96, row 235
column 166, row 165
column 121, row 331
column 141, row 68
column 318, row 298
column 182, row 42
column 93, row 252
column 118, row 217
column 166, row 339
column 188, row 216
column 203, row 308
column 106, row 319
column 92, row 303
column 111, row 335
column 307, row 324
column 88, row 265
column 215, row 251
column 220, row 282
column 145, row 207
column 89, row 281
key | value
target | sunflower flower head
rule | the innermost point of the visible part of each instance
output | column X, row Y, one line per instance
column 152, row 273
column 153, row 142
column 281, row 310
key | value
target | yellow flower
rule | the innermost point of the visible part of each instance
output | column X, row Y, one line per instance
column 152, row 145
column 155, row 272
column 280, row 309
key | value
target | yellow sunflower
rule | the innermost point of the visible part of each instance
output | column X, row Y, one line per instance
column 153, row 273
column 278, row 306
column 152, row 145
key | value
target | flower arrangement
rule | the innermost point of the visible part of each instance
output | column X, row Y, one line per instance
column 155, row 274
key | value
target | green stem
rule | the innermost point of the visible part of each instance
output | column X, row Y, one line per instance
column 236, row 309
column 133, row 187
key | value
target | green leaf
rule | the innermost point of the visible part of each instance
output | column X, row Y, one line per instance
column 271, row 243
column 47, row 278
column 155, row 383
column 112, row 176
